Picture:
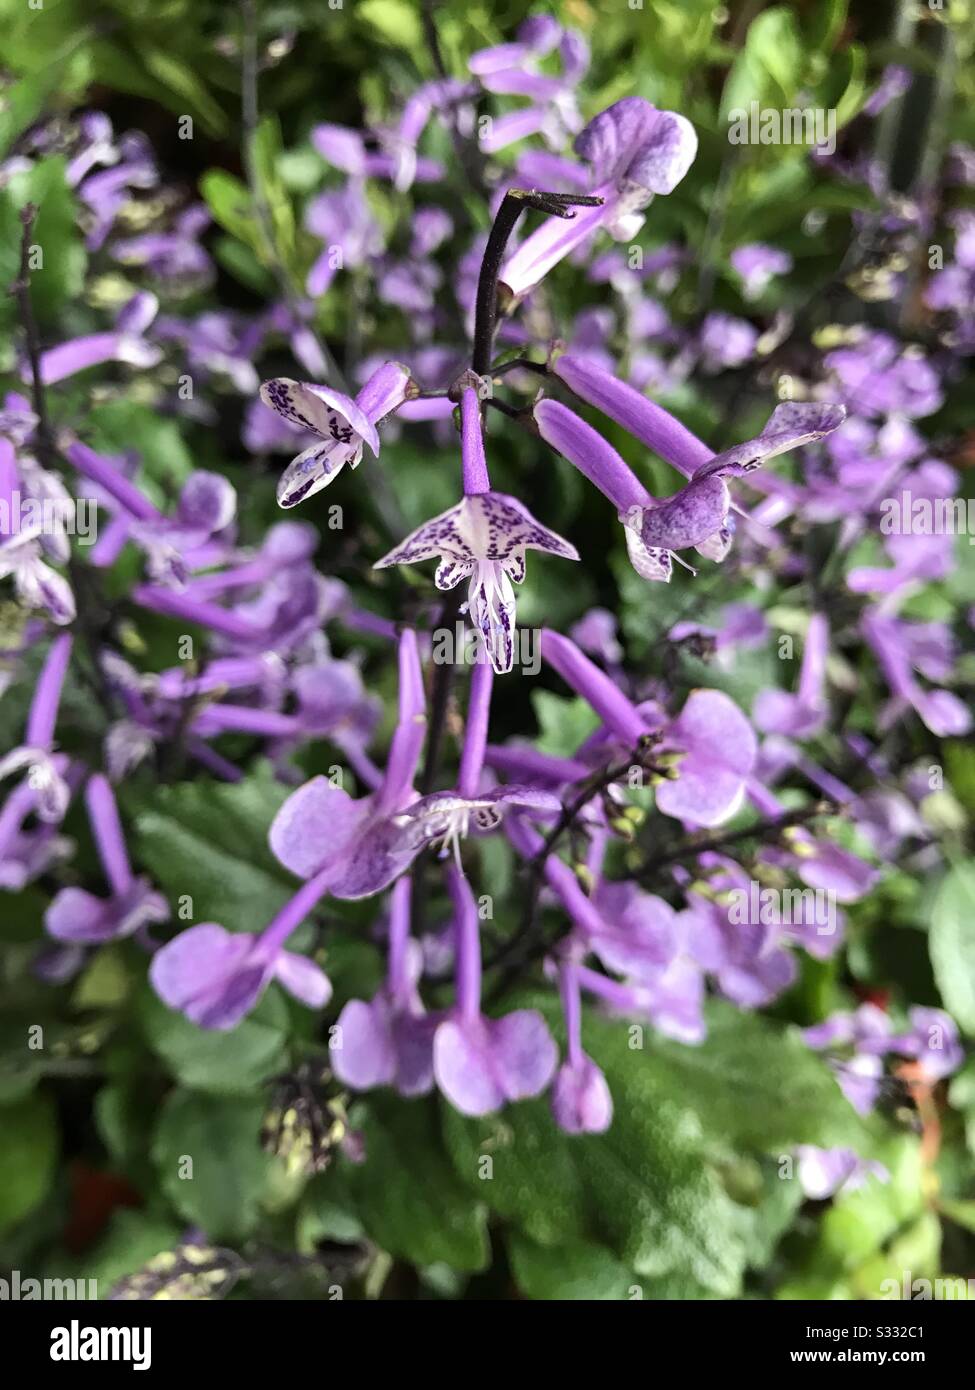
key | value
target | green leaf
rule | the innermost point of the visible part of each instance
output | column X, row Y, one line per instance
column 962, row 1213
column 563, row 724
column 759, row 1085
column 230, row 202
column 396, row 21
column 406, row 1194
column 579, row 1270
column 645, row 1188
column 164, row 459
column 235, row 1062
column 183, row 84
column 60, row 277
column 28, row 1155
column 523, row 1168
column 207, row 1153
column 206, row 842
column 952, row 943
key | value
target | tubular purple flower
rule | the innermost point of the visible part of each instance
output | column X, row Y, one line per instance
column 389, row 1040
column 595, row 687
column 595, row 459
column 216, row 977
column 45, row 771
column 476, row 730
column 650, row 423
column 106, row 828
column 479, row 1062
column 126, row 344
column 801, row 715
column 411, row 726
column 473, row 461
column 43, row 714
column 183, row 605
column 107, row 476
column 581, row 1100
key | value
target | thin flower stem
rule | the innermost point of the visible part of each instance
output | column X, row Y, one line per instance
column 486, row 307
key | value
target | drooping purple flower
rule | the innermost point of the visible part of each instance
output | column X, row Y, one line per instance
column 888, row 638
column 389, row 1040
column 714, row 741
column 482, row 539
column 481, row 1063
column 581, row 1099
column 215, row 977
column 78, row 917
column 341, row 425
column 697, row 515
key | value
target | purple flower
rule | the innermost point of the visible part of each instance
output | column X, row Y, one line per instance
column 78, row 917
column 824, row 1172
column 21, row 549
column 342, row 219
column 389, row 1040
column 341, row 426
column 44, row 776
column 482, row 539
column 801, row 715
column 480, row 1063
column 127, row 344
column 933, row 1040
column 634, row 151
column 714, row 742
column 698, row 514
column 757, row 264
column 868, row 1033
column 596, row 633
column 889, row 639
column 581, row 1099
column 206, row 507
column 360, row 847
column 726, row 341
column 216, row 977
column 176, row 255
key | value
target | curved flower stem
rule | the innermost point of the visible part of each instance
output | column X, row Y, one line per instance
column 486, row 305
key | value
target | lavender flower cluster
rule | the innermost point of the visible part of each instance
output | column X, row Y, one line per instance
column 648, row 945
